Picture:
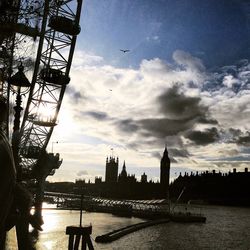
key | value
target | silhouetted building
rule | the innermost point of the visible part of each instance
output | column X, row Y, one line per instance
column 232, row 188
column 131, row 178
column 164, row 177
column 125, row 186
column 98, row 180
column 123, row 175
column 144, row 178
column 79, row 182
column 111, row 173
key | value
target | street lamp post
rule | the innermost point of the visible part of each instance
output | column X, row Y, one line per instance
column 20, row 86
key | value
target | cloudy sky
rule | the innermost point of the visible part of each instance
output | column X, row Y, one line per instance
column 185, row 82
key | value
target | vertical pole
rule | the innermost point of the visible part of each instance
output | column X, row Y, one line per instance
column 84, row 242
column 22, row 226
column 71, row 242
column 89, row 243
column 81, row 210
column 16, row 134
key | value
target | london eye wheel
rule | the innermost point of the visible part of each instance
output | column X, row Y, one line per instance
column 51, row 27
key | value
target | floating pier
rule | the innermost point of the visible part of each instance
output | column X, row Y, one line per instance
column 116, row 234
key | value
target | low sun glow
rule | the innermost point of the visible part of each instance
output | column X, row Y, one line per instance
column 66, row 124
column 45, row 113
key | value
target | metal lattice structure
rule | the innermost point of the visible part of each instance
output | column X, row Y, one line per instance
column 60, row 26
column 50, row 28
column 17, row 35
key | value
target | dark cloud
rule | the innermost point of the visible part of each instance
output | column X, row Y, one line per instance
column 97, row 115
column 179, row 152
column 158, row 156
column 244, row 139
column 173, row 160
column 203, row 137
column 235, row 132
column 133, row 145
column 82, row 172
column 207, row 120
column 176, row 105
column 239, row 137
column 127, row 125
column 179, row 112
column 75, row 96
column 165, row 127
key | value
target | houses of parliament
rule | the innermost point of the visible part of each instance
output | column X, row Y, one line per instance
column 119, row 185
column 111, row 173
column 126, row 186
column 231, row 188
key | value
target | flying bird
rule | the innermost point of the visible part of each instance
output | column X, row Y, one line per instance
column 124, row 50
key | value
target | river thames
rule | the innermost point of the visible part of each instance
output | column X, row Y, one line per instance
column 226, row 228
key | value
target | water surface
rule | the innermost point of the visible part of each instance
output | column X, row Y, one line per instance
column 227, row 228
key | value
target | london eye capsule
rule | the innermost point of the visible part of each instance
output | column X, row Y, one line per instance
column 55, row 76
column 64, row 25
column 31, row 152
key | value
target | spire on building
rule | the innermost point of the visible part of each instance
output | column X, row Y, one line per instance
column 124, row 172
column 164, row 173
column 165, row 151
column 165, row 157
column 124, row 166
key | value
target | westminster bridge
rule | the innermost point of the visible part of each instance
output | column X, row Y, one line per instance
column 124, row 207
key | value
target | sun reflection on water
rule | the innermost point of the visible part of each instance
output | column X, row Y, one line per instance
column 48, row 244
column 50, row 220
column 50, row 217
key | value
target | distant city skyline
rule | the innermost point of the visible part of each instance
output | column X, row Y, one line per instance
column 184, row 82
